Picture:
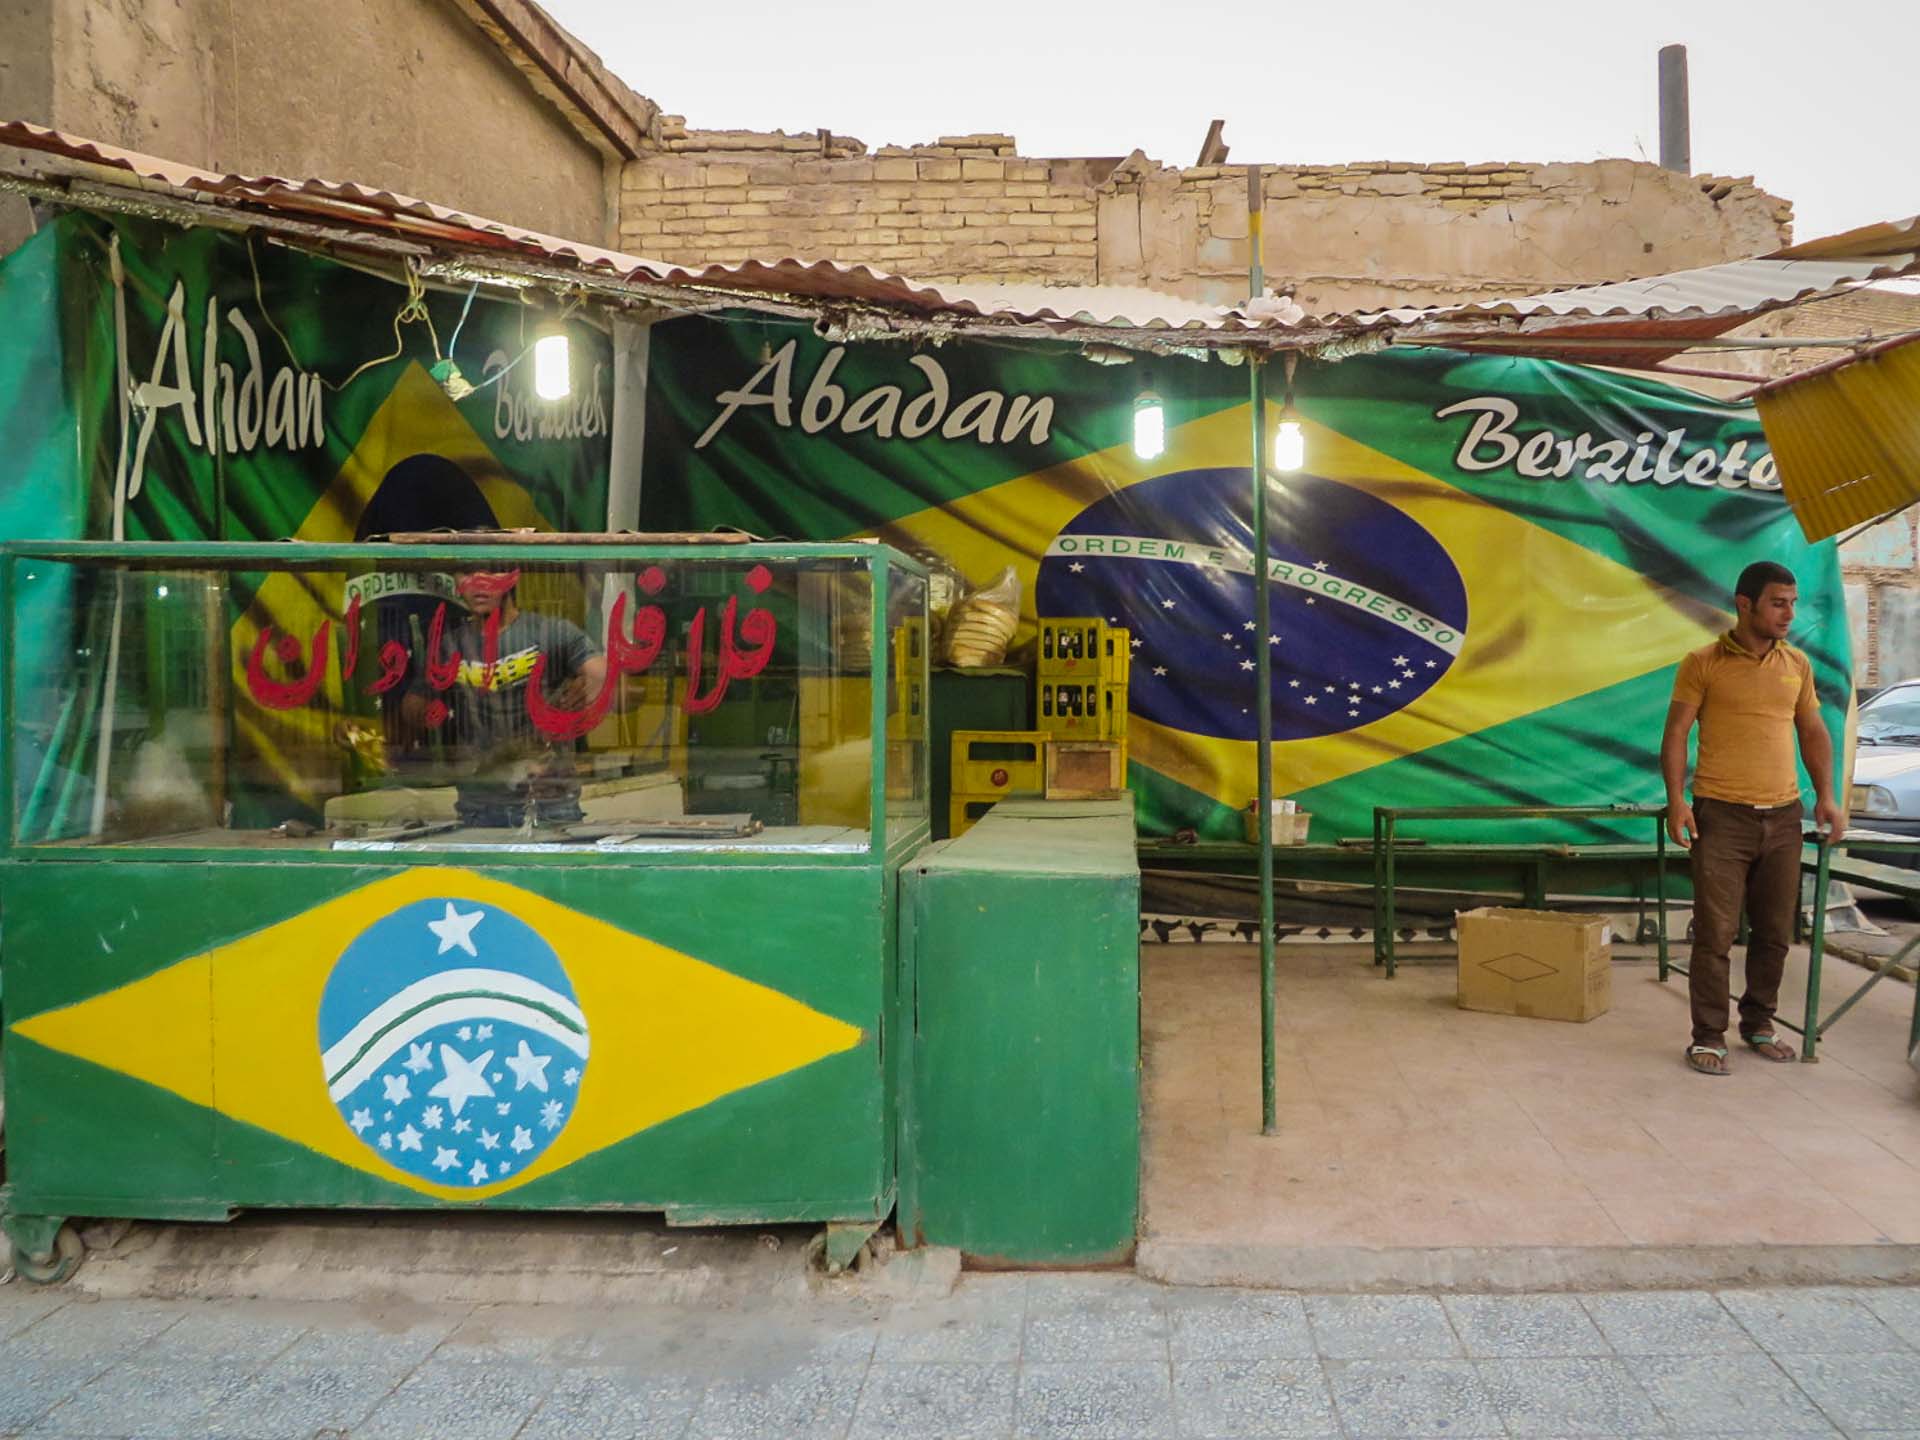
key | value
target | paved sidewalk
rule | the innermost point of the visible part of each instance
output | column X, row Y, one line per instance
column 1043, row 1356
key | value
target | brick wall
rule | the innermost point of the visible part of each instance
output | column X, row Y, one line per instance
column 1343, row 236
column 965, row 207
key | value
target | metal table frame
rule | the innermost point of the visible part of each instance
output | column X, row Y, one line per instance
column 1826, row 861
column 1534, row 858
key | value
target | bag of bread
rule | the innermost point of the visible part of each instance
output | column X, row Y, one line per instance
column 981, row 624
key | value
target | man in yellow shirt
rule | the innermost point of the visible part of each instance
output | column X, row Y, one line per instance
column 1752, row 694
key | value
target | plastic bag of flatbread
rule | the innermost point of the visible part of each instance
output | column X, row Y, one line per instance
column 981, row 624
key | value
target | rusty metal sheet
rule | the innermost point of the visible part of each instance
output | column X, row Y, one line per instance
column 1846, row 438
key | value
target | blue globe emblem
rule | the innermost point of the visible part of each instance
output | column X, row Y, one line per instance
column 451, row 1042
column 1368, row 611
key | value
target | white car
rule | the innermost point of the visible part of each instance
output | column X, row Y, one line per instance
column 1886, row 771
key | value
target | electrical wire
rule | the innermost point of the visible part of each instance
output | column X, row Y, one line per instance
column 260, row 300
column 415, row 308
column 454, row 344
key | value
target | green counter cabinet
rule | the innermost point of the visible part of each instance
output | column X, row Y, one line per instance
column 648, row 1008
column 1022, row 1110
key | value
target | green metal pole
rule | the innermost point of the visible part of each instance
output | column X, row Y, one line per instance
column 1392, row 915
column 1810, row 1033
column 1660, row 886
column 1262, row 681
column 1913, row 1029
column 1379, row 875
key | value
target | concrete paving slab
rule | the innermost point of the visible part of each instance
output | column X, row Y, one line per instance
column 1395, row 1327
column 1252, row 1397
column 1236, row 1325
column 1412, row 1397
column 965, row 1400
column 1491, row 1326
column 1727, row 1394
column 1094, row 1400
column 1569, row 1397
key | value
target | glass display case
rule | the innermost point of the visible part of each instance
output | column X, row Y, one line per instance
column 515, row 699
column 607, row 831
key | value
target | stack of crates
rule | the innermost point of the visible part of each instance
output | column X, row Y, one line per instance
column 1082, row 688
column 989, row 765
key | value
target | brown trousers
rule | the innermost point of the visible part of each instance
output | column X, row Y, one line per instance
column 1742, row 857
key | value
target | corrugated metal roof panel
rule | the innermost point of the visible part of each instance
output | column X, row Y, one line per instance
column 1626, row 322
column 1740, row 288
column 1847, row 439
column 823, row 280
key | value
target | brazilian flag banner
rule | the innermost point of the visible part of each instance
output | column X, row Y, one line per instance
column 199, row 385
column 176, row 384
column 1482, row 577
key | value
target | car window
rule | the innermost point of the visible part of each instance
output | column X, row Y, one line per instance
column 1897, row 709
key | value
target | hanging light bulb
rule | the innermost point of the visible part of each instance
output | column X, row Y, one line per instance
column 1149, row 426
column 1289, row 440
column 552, row 364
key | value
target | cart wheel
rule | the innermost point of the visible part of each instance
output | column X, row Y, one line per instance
column 68, row 1251
column 816, row 1254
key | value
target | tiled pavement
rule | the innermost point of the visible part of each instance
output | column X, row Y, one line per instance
column 1083, row 1356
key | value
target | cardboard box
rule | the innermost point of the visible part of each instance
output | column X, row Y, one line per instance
column 1540, row 963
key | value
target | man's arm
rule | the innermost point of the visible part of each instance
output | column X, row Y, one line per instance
column 1673, row 769
column 586, row 668
column 1816, row 749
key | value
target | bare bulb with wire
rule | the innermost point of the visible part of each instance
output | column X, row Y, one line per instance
column 552, row 366
column 1289, row 439
column 1149, row 426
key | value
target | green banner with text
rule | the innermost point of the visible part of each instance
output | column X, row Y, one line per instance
column 1482, row 575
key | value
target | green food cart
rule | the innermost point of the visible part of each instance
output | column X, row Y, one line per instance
column 483, row 873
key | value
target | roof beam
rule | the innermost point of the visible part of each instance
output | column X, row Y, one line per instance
column 609, row 116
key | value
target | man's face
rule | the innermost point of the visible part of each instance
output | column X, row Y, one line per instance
column 485, row 591
column 1771, row 616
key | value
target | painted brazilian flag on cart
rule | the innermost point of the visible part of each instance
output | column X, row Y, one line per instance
column 1482, row 579
column 161, row 383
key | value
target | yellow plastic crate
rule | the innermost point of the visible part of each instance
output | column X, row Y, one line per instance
column 963, row 810
column 997, row 762
column 1071, row 645
column 1069, row 707
column 1116, row 654
column 1087, row 709
column 909, row 720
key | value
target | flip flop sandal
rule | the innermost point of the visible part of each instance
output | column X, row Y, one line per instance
column 1700, row 1069
column 1767, row 1037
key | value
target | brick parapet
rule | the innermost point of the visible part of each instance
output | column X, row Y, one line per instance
column 1344, row 236
column 963, row 207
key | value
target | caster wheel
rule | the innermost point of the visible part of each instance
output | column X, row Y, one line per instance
column 68, row 1251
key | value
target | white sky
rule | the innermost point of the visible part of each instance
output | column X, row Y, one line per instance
column 1815, row 101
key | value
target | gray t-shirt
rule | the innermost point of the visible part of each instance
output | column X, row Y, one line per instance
column 501, row 757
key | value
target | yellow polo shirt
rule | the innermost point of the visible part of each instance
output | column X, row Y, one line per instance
column 1748, row 705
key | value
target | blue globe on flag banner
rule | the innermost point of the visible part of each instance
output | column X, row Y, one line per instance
column 451, row 1041
column 1367, row 609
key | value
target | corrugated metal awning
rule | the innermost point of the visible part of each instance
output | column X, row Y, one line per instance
column 1846, row 438
column 824, row 282
column 1630, row 322
column 1639, row 322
